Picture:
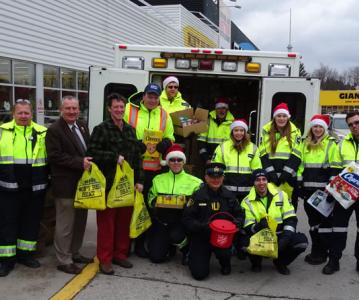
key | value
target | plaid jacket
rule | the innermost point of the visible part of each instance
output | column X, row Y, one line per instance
column 107, row 142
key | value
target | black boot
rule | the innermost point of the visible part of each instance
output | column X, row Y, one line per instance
column 281, row 268
column 140, row 249
column 331, row 267
column 225, row 267
column 5, row 268
column 318, row 254
column 29, row 261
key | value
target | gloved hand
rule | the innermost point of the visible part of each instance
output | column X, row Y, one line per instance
column 263, row 223
column 284, row 240
column 284, row 177
column 273, row 178
column 162, row 146
column 142, row 147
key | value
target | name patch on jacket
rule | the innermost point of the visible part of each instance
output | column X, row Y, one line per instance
column 279, row 203
column 202, row 204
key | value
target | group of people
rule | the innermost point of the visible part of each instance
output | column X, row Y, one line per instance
column 242, row 182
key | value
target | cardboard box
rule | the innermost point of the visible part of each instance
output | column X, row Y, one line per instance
column 200, row 114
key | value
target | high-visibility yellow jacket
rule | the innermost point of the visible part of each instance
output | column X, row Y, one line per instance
column 285, row 160
column 318, row 164
column 177, row 103
column 348, row 150
column 217, row 133
column 278, row 208
column 239, row 165
column 140, row 118
column 171, row 184
column 23, row 145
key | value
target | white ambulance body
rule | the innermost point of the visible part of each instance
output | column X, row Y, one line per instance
column 254, row 81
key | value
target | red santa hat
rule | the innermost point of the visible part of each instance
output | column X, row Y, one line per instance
column 175, row 151
column 221, row 103
column 322, row 120
column 241, row 123
column 170, row 79
column 281, row 108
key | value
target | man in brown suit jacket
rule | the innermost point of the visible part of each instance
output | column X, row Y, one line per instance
column 66, row 144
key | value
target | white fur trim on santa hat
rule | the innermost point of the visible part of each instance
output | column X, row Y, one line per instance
column 170, row 79
column 221, row 105
column 319, row 122
column 240, row 124
column 281, row 111
column 175, row 154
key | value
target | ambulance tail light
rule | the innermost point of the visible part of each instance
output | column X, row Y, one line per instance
column 253, row 67
column 205, row 64
column 183, row 63
column 229, row 66
column 133, row 62
column 158, row 62
column 279, row 70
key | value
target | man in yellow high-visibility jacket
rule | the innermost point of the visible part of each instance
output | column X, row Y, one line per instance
column 23, row 181
column 143, row 112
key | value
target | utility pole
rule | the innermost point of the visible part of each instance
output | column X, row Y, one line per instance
column 290, row 47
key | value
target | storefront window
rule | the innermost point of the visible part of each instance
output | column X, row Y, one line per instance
column 24, row 73
column 84, row 106
column 5, row 70
column 51, row 76
column 83, row 80
column 68, row 78
column 5, row 103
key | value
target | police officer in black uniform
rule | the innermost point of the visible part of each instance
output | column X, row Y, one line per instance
column 211, row 198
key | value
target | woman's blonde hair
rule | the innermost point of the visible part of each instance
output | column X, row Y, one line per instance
column 312, row 143
column 243, row 143
column 285, row 132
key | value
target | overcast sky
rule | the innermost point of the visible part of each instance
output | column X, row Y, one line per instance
column 323, row 31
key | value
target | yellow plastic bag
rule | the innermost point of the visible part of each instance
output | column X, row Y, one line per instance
column 265, row 242
column 90, row 193
column 122, row 192
column 141, row 219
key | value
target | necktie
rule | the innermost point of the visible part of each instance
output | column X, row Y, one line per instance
column 78, row 140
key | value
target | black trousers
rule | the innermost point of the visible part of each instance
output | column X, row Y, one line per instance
column 162, row 237
column 338, row 238
column 20, row 215
column 320, row 230
column 200, row 251
column 298, row 243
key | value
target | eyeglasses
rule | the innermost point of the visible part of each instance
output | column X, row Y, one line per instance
column 353, row 123
column 176, row 160
column 172, row 87
column 23, row 101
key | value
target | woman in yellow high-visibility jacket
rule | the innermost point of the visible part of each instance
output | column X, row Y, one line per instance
column 241, row 158
column 279, row 149
column 320, row 161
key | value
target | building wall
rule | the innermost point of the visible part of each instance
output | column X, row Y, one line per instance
column 77, row 34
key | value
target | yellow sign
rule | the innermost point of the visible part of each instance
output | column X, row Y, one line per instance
column 194, row 38
column 339, row 98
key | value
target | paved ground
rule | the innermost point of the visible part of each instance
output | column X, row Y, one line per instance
column 172, row 281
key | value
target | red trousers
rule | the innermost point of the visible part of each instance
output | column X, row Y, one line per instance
column 113, row 239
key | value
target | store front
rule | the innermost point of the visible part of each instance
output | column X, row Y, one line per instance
column 339, row 101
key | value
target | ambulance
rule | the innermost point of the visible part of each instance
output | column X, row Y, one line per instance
column 254, row 81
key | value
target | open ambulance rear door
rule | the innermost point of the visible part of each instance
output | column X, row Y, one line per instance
column 104, row 81
column 301, row 95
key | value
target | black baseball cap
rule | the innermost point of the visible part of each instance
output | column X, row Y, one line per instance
column 153, row 88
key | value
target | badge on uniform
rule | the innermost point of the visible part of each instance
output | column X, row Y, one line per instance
column 215, row 206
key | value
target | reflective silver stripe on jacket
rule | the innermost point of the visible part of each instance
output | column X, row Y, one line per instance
column 289, row 212
column 238, row 169
column 340, row 229
column 289, row 170
column 30, row 246
column 289, row 228
column 269, row 169
column 6, row 158
column 202, row 138
column 296, row 151
column 222, row 150
column 7, row 251
column 314, row 165
column 336, row 164
column 325, row 230
column 279, row 155
column 347, row 162
column 215, row 140
column 9, row 185
column 233, row 188
column 315, row 184
column 39, row 187
column 314, row 228
column 202, row 150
